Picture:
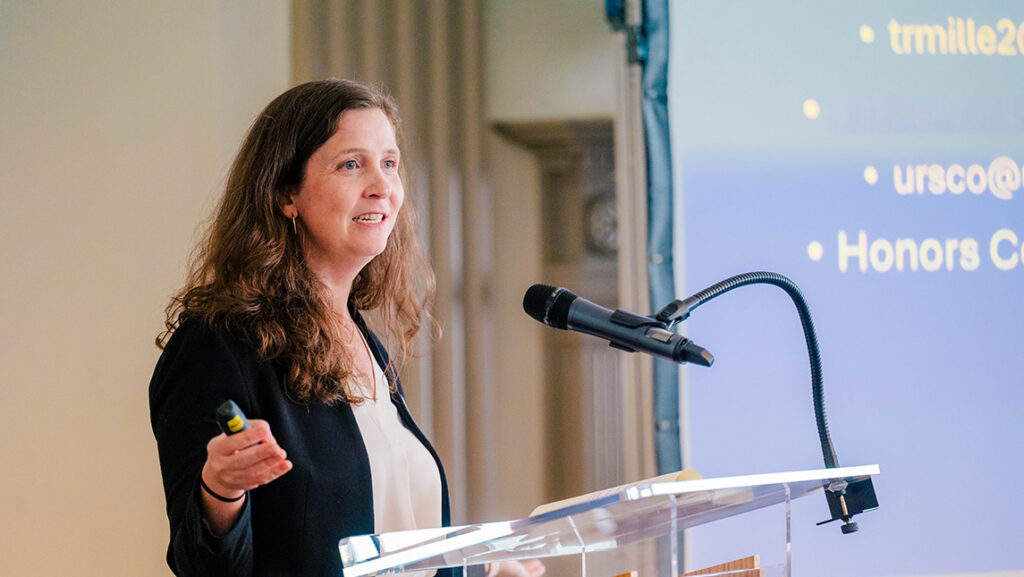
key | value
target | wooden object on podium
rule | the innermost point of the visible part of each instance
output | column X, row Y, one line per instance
column 745, row 567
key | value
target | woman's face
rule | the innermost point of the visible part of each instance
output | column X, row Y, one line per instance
column 351, row 194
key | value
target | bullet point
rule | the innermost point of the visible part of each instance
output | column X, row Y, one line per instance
column 815, row 251
column 870, row 175
column 867, row 35
column 811, row 108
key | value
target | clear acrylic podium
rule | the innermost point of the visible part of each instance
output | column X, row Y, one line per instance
column 633, row 531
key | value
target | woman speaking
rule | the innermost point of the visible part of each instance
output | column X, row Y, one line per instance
column 312, row 231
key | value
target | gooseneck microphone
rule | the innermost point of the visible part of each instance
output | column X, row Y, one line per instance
column 624, row 330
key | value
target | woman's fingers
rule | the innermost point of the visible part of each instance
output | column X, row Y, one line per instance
column 534, row 567
column 258, row 433
column 253, row 455
column 247, row 459
column 270, row 473
column 528, row 568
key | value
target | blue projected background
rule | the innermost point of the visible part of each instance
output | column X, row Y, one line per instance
column 873, row 154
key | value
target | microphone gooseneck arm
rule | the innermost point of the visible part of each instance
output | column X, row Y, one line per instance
column 678, row 310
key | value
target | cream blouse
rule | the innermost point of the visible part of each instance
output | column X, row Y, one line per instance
column 406, row 482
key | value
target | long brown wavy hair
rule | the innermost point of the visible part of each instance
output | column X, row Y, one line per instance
column 249, row 273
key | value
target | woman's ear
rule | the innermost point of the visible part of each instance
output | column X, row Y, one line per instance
column 288, row 206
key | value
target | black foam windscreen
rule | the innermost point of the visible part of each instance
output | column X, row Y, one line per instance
column 548, row 304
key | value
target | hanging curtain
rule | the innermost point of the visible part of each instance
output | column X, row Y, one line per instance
column 660, row 261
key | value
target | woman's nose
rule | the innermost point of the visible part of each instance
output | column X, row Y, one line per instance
column 380, row 185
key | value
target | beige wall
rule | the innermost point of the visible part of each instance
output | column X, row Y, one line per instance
column 117, row 123
column 549, row 59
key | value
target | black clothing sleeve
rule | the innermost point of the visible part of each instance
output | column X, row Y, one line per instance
column 197, row 371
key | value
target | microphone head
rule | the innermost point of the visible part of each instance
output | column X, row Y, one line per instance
column 548, row 304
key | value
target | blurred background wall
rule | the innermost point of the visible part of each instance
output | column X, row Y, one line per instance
column 118, row 121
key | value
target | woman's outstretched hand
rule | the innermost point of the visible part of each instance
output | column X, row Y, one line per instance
column 528, row 568
column 236, row 464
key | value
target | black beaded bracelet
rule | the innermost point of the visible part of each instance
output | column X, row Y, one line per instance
column 210, row 492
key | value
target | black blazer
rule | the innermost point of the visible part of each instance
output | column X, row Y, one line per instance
column 292, row 525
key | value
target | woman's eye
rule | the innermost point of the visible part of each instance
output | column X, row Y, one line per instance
column 390, row 164
column 349, row 165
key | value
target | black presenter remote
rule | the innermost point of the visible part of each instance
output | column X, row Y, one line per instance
column 231, row 419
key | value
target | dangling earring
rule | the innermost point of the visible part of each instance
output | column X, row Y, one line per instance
column 295, row 228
